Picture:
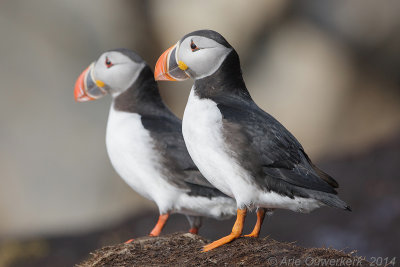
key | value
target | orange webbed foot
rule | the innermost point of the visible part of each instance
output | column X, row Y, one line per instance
column 194, row 230
column 220, row 242
column 162, row 220
column 129, row 241
column 260, row 218
column 236, row 232
column 254, row 235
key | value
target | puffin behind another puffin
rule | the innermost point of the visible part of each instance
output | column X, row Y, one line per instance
column 144, row 141
column 242, row 150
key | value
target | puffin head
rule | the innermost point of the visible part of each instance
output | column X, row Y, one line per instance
column 112, row 73
column 197, row 55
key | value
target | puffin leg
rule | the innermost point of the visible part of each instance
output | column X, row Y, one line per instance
column 194, row 230
column 195, row 223
column 160, row 225
column 236, row 232
column 257, row 227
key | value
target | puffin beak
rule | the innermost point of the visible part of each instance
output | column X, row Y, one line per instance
column 87, row 88
column 168, row 68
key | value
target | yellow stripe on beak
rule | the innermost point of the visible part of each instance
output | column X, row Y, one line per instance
column 100, row 83
column 182, row 65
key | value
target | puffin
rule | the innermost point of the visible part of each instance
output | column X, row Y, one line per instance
column 144, row 141
column 238, row 147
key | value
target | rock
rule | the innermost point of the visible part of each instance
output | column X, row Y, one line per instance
column 185, row 250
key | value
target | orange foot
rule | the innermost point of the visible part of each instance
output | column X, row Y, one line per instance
column 162, row 220
column 220, row 242
column 257, row 227
column 194, row 230
column 129, row 241
column 236, row 232
column 252, row 234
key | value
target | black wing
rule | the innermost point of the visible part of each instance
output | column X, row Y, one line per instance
column 167, row 130
column 270, row 151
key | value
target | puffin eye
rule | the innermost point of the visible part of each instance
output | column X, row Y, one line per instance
column 108, row 63
column 193, row 46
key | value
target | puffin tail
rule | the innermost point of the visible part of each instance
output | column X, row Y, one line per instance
column 330, row 200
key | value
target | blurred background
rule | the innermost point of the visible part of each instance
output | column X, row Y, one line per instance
column 328, row 70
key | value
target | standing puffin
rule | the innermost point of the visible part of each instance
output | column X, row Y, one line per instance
column 144, row 141
column 242, row 150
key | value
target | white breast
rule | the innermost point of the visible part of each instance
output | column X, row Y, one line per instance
column 132, row 154
column 202, row 131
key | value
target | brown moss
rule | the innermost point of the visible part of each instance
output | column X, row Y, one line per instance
column 185, row 250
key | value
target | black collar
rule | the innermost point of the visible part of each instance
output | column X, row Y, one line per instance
column 227, row 81
column 142, row 97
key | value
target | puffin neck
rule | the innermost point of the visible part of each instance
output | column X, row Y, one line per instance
column 142, row 96
column 227, row 80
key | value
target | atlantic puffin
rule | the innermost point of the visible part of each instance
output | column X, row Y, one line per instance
column 144, row 141
column 240, row 149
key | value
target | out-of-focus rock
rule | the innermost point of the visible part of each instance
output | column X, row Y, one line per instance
column 368, row 23
column 370, row 113
column 370, row 28
column 238, row 21
column 55, row 174
column 301, row 77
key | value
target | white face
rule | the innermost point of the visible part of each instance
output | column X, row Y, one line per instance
column 205, row 59
column 117, row 71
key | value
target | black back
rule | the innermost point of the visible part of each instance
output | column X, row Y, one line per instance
column 264, row 147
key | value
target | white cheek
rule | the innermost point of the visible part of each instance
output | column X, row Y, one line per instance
column 125, row 75
column 205, row 61
column 119, row 77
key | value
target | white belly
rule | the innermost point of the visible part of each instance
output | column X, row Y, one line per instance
column 202, row 131
column 132, row 154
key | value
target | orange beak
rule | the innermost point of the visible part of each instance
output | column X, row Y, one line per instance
column 161, row 70
column 80, row 92
column 86, row 88
column 167, row 68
